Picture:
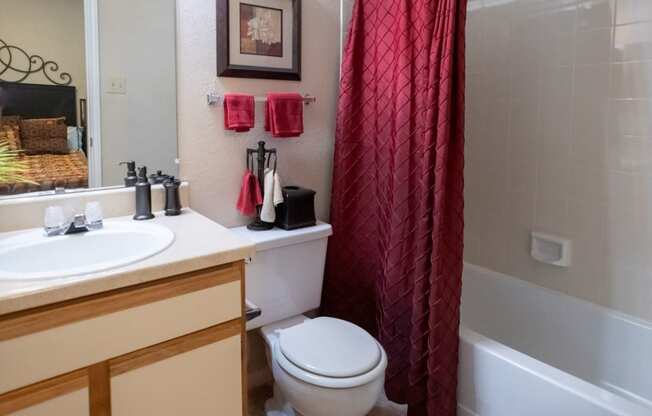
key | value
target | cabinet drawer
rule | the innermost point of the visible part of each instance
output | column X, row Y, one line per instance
column 50, row 342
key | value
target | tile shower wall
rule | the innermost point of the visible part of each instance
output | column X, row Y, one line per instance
column 559, row 139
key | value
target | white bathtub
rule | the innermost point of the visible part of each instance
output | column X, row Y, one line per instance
column 529, row 351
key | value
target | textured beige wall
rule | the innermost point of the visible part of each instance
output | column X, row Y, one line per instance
column 558, row 140
column 212, row 159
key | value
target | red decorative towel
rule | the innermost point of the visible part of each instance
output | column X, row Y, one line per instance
column 250, row 195
column 284, row 114
column 239, row 112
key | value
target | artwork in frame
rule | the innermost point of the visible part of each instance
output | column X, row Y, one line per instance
column 259, row 39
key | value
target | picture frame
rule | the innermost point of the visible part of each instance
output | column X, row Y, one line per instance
column 259, row 39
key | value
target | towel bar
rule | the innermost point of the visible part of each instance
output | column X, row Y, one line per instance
column 215, row 99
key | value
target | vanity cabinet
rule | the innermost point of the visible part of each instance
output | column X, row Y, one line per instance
column 169, row 347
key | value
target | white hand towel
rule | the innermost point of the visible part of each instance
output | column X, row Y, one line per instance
column 278, row 190
column 267, row 212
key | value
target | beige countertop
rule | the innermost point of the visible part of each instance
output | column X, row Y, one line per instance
column 199, row 243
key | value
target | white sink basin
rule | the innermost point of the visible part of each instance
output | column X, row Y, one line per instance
column 33, row 256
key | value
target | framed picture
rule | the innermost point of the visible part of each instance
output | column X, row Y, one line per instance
column 259, row 39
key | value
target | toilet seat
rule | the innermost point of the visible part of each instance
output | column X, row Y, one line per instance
column 329, row 352
column 330, row 382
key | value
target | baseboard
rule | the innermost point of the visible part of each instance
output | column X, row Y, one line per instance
column 465, row 411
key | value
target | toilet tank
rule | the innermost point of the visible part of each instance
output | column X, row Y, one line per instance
column 285, row 276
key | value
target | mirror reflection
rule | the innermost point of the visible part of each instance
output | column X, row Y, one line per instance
column 84, row 86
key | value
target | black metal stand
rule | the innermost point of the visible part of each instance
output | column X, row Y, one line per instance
column 261, row 159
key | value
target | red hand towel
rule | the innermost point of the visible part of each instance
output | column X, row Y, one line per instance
column 250, row 195
column 239, row 112
column 284, row 114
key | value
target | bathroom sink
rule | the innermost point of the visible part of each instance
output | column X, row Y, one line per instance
column 33, row 256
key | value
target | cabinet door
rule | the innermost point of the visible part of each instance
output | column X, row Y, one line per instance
column 71, row 404
column 204, row 381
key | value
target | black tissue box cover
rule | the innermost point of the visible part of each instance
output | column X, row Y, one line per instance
column 297, row 209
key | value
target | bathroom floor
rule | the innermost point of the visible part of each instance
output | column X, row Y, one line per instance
column 258, row 396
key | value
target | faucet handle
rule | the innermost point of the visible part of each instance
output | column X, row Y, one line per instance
column 94, row 215
column 54, row 216
column 54, row 220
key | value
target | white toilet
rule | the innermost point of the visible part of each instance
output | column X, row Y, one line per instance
column 322, row 366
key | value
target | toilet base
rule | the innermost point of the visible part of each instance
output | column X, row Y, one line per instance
column 278, row 405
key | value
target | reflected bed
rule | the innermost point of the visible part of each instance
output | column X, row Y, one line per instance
column 50, row 171
column 40, row 121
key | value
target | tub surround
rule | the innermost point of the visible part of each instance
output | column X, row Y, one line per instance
column 199, row 243
column 558, row 133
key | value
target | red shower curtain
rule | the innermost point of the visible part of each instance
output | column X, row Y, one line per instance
column 395, row 259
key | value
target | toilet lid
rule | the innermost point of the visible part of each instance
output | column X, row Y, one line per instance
column 330, row 347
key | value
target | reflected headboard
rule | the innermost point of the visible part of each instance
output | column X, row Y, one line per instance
column 39, row 101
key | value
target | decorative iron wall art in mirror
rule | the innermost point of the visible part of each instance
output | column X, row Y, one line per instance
column 16, row 65
column 259, row 39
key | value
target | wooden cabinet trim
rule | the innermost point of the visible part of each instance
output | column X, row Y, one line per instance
column 244, row 357
column 38, row 319
column 16, row 400
column 99, row 389
column 167, row 349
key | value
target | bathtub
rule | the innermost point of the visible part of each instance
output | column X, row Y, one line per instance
column 529, row 351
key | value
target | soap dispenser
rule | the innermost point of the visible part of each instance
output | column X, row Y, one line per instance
column 143, row 196
column 131, row 178
column 172, row 200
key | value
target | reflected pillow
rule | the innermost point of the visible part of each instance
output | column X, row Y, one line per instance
column 11, row 121
column 11, row 136
column 44, row 135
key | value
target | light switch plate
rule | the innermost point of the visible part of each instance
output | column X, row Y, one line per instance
column 117, row 85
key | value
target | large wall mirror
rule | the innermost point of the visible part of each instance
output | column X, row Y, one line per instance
column 85, row 85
